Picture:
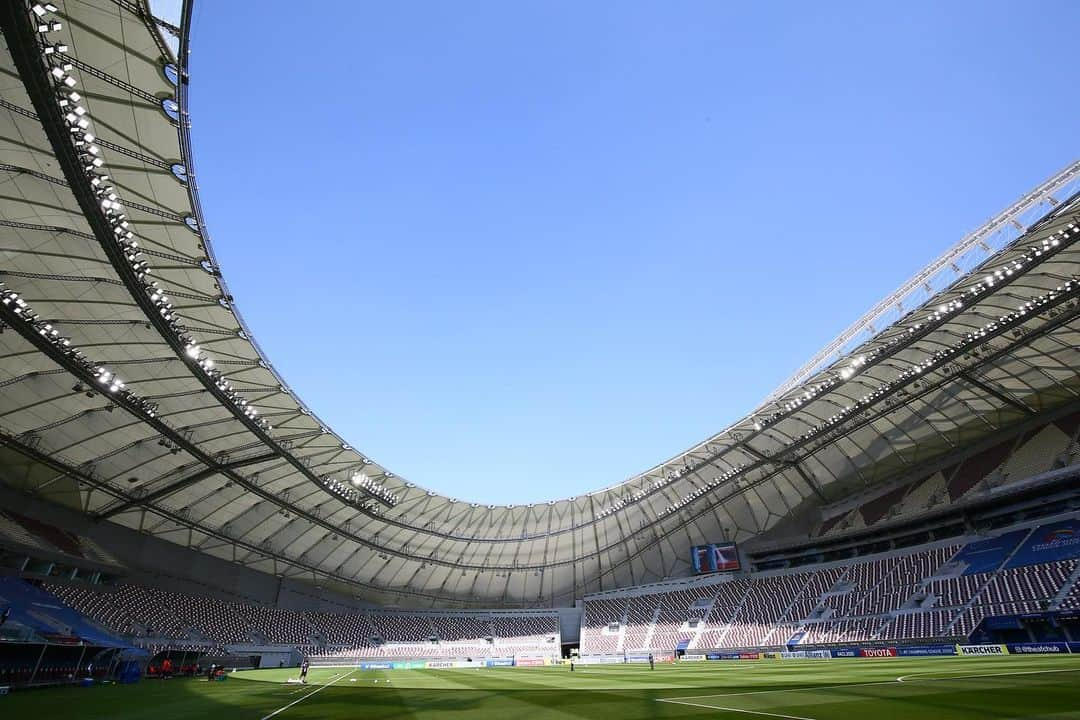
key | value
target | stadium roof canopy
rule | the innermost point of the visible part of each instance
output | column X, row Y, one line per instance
column 132, row 390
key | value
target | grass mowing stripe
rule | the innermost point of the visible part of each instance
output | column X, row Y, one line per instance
column 739, row 710
column 782, row 690
column 917, row 678
column 909, row 679
column 630, row 692
column 901, row 679
column 316, row 690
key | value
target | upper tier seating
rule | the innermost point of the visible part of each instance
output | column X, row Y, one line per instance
column 1007, row 462
column 153, row 612
column 16, row 529
column 921, row 593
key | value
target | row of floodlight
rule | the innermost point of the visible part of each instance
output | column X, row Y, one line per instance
column 663, row 482
column 968, row 340
column 858, row 363
column 349, row 490
column 935, row 315
column 374, row 487
column 78, row 121
column 108, row 380
column 83, row 140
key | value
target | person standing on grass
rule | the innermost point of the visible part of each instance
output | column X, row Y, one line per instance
column 303, row 671
column 652, row 666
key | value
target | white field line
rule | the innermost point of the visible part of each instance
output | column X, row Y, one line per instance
column 316, row 690
column 738, row 710
column 901, row 679
column 785, row 690
column 917, row 678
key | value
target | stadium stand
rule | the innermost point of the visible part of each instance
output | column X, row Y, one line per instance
column 152, row 612
column 1053, row 444
column 602, row 625
column 37, row 537
column 15, row 534
column 278, row 626
column 947, row 589
column 353, row 630
column 49, row 617
column 943, row 591
column 914, row 481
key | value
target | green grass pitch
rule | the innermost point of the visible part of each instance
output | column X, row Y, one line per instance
column 930, row 689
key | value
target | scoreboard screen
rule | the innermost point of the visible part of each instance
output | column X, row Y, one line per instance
column 714, row 558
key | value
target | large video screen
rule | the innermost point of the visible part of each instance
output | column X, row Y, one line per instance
column 714, row 558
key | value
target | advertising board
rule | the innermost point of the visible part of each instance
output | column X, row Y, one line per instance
column 880, row 652
column 1043, row 648
column 926, row 650
column 975, row 650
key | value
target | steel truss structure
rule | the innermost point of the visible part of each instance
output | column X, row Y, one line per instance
column 133, row 391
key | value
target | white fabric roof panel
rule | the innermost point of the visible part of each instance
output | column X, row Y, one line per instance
column 200, row 463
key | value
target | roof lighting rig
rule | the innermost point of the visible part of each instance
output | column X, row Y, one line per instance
column 971, row 338
column 663, row 482
column 374, row 488
column 77, row 118
column 630, row 498
column 853, row 366
column 716, row 482
column 342, row 490
column 358, row 490
column 980, row 290
column 108, row 382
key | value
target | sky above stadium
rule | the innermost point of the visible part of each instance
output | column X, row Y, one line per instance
column 517, row 251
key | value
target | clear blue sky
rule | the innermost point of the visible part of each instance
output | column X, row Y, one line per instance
column 516, row 251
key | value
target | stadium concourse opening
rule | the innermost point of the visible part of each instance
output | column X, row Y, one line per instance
column 894, row 531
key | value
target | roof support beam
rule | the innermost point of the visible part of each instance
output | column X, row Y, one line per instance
column 827, row 437
column 52, row 462
column 45, row 346
column 990, row 390
column 907, row 339
column 28, row 332
column 25, row 51
column 164, row 492
column 754, row 451
column 1055, row 323
column 794, row 465
column 896, row 299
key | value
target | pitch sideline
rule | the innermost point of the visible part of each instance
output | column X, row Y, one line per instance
column 737, row 710
column 301, row 699
column 902, row 679
column 907, row 678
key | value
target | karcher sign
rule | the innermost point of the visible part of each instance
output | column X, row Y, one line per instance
column 981, row 650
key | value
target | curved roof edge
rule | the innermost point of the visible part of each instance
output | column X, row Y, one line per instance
column 973, row 249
